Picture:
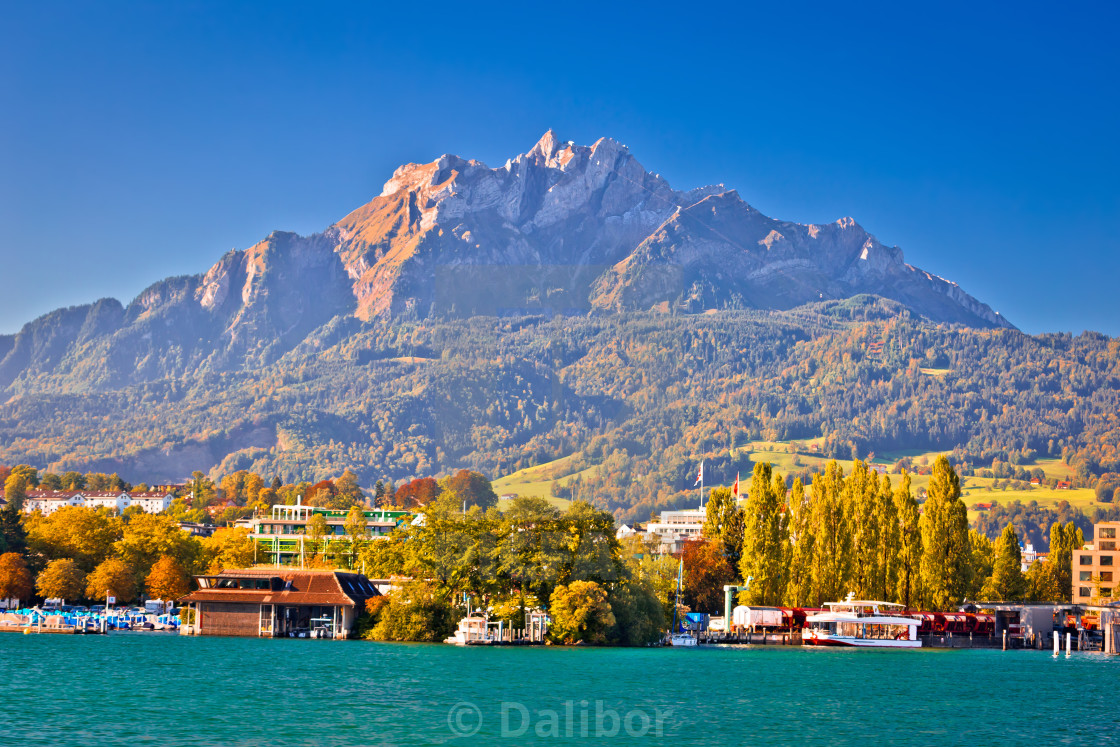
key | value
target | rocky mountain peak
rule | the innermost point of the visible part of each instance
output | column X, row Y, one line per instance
column 561, row 228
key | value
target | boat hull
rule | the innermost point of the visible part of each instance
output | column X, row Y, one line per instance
column 859, row 642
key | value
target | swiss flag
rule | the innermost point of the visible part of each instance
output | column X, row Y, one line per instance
column 700, row 475
column 735, row 487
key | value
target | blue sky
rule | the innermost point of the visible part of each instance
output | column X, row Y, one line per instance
column 139, row 141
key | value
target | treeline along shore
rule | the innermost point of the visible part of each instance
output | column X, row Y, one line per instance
column 456, row 550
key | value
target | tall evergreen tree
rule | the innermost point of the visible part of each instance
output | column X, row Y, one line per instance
column 945, row 549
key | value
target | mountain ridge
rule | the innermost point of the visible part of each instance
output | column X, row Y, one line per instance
column 562, row 228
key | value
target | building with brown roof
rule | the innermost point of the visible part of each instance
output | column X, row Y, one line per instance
column 276, row 602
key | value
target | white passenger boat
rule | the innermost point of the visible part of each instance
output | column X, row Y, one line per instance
column 473, row 630
column 861, row 624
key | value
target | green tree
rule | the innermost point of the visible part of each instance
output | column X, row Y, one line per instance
column 15, row 578
column 531, row 546
column 724, row 521
column 765, row 538
column 639, row 616
column 13, row 536
column 1008, row 582
column 114, row 577
column 415, row 612
column 580, row 611
column 945, row 549
column 61, row 579
column 73, row 481
column 591, row 551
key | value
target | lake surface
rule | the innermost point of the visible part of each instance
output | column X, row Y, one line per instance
column 138, row 689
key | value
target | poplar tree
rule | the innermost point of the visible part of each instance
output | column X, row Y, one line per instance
column 909, row 544
column 945, row 550
column 1064, row 542
column 981, row 560
column 724, row 521
column 832, row 539
column 1007, row 582
column 765, row 537
column 886, row 516
column 860, row 492
column 799, row 587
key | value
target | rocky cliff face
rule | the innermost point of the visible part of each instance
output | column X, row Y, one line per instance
column 562, row 228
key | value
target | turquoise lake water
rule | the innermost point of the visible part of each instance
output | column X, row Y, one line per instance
column 140, row 689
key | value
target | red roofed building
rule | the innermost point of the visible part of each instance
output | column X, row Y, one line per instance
column 276, row 602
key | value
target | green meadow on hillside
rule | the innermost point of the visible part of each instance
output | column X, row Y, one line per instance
column 795, row 457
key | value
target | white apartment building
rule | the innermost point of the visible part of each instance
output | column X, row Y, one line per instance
column 49, row 501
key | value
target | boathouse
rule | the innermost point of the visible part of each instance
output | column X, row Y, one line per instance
column 276, row 602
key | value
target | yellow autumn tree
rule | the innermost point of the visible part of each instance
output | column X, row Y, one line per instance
column 114, row 578
column 61, row 579
column 167, row 581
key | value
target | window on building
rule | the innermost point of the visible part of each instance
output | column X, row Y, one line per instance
column 1106, row 591
column 1106, row 533
column 1084, row 591
column 1107, row 545
column 1085, row 576
column 1085, row 559
column 1106, row 575
column 1106, row 560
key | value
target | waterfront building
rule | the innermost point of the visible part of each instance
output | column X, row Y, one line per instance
column 283, row 533
column 275, row 603
column 1095, row 566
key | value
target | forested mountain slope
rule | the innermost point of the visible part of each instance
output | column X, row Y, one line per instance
column 640, row 398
